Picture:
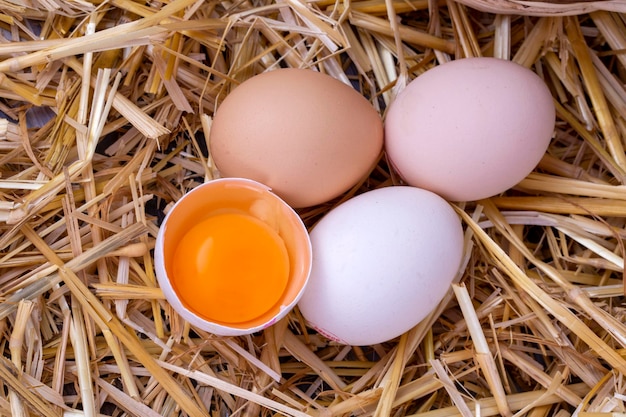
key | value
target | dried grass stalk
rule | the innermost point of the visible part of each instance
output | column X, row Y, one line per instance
column 483, row 354
column 546, row 8
column 106, row 116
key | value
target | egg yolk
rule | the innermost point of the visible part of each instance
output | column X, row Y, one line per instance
column 230, row 268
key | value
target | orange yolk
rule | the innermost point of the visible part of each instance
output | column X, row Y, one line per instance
column 230, row 268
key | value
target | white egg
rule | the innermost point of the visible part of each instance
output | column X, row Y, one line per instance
column 382, row 261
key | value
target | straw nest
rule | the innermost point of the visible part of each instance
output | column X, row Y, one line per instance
column 108, row 106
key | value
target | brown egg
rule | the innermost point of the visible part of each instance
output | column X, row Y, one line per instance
column 304, row 134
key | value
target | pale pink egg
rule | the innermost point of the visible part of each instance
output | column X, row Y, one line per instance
column 471, row 128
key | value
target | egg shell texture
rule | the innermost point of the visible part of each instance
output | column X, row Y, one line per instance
column 471, row 128
column 305, row 134
column 381, row 262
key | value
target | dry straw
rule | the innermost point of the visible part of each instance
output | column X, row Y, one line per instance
column 106, row 110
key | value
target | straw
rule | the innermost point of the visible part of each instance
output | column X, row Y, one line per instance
column 483, row 354
column 16, row 341
column 558, row 7
column 106, row 117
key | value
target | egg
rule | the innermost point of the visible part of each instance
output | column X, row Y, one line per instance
column 382, row 261
column 306, row 135
column 231, row 257
column 471, row 128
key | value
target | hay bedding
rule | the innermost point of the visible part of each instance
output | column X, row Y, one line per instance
column 107, row 106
